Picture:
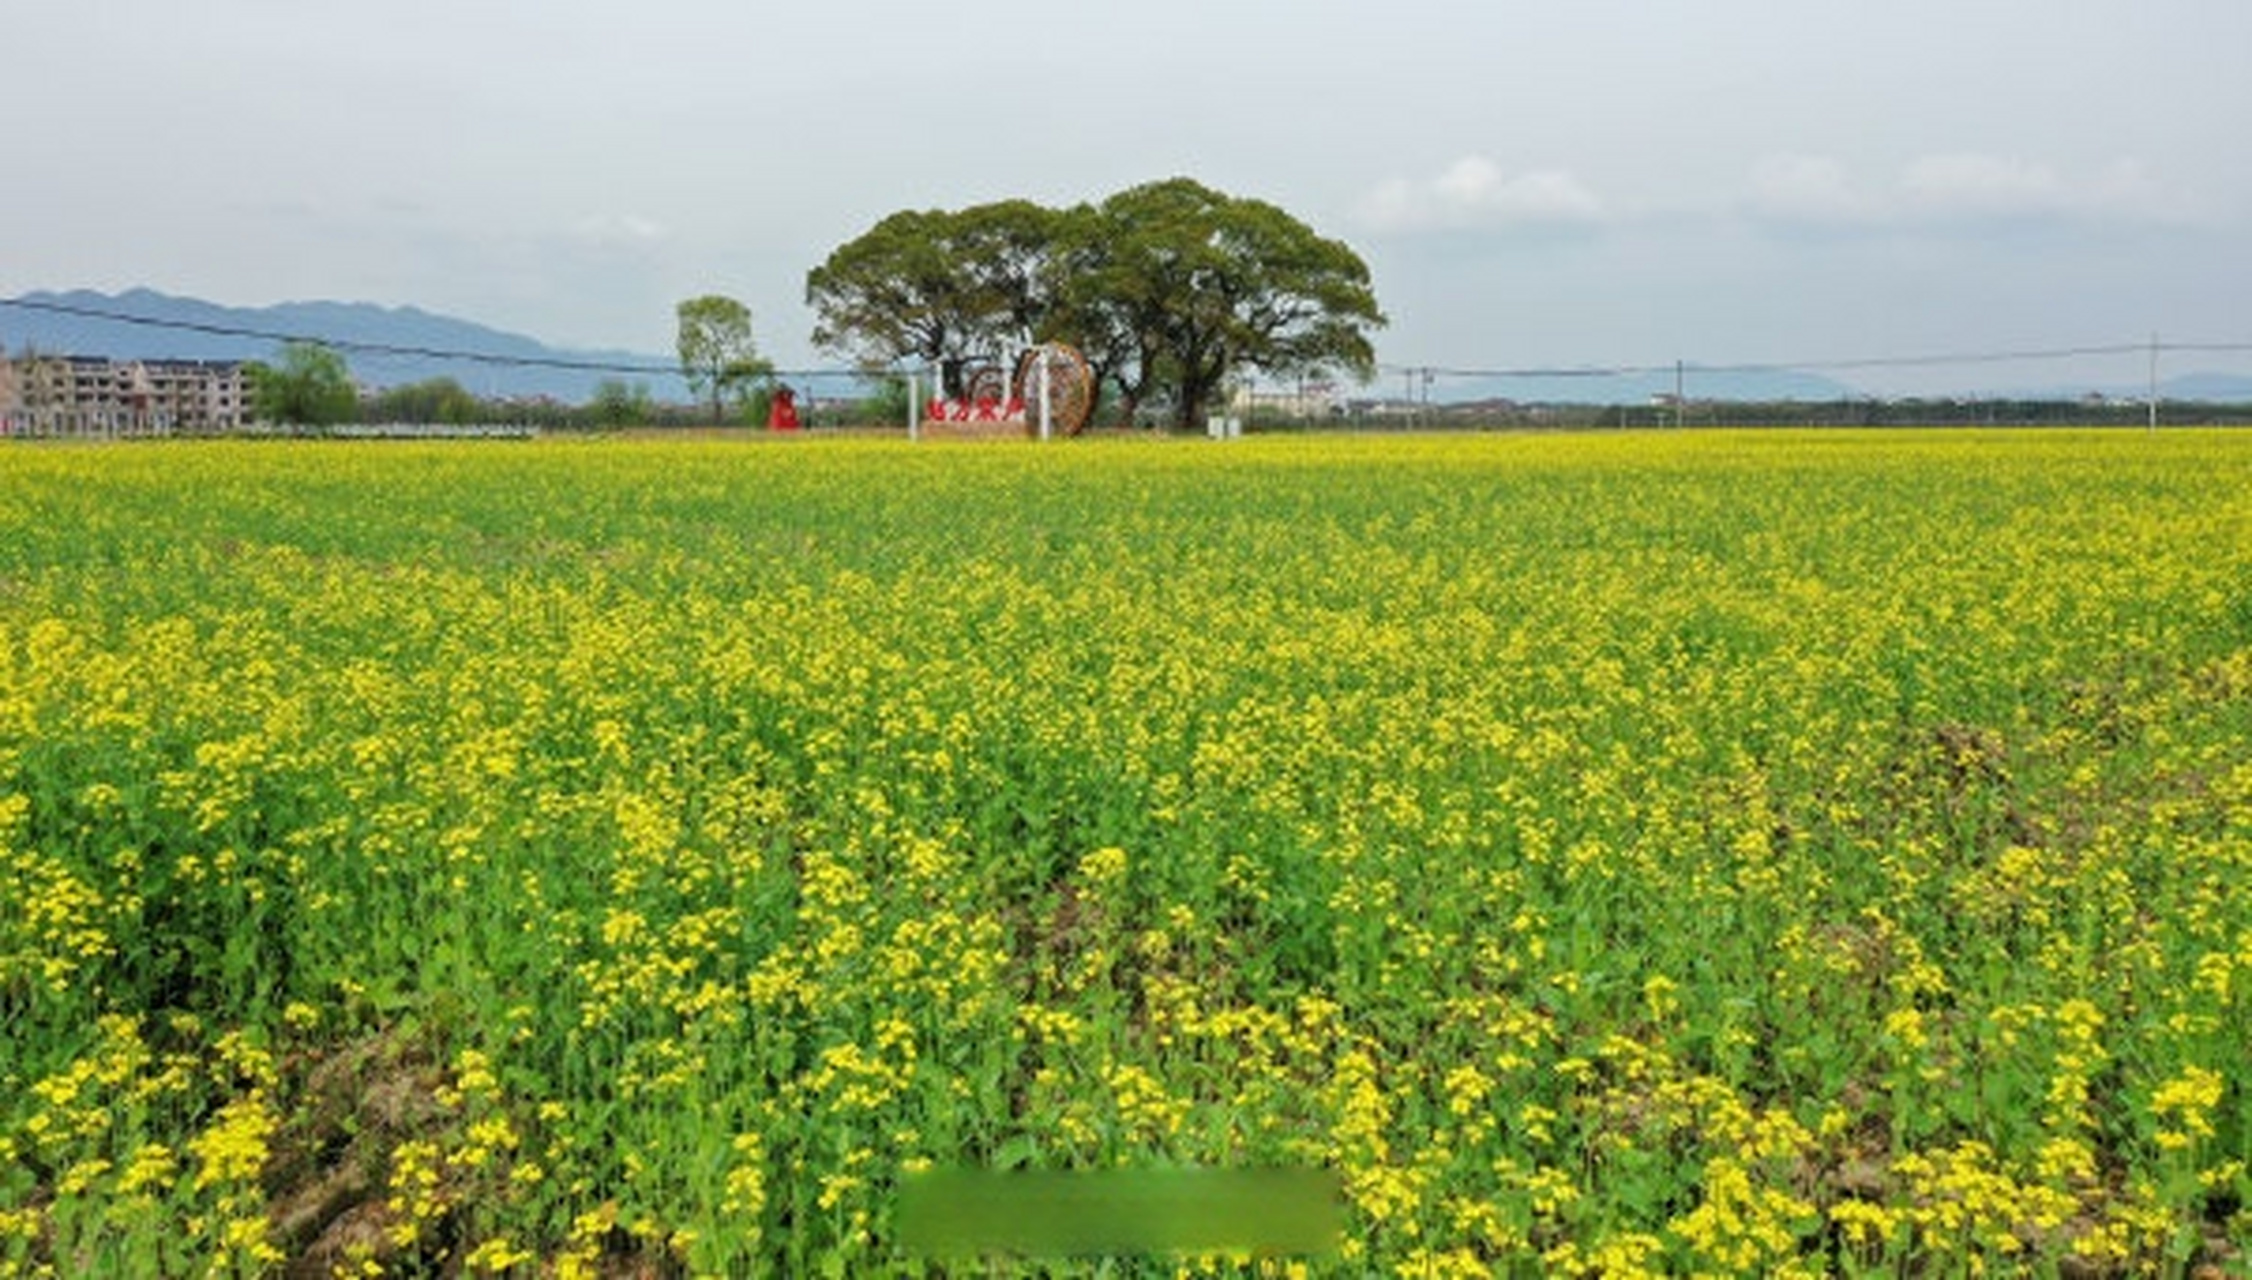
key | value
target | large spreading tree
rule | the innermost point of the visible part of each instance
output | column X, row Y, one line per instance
column 1168, row 288
column 936, row 287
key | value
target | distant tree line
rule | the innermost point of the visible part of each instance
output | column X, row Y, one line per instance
column 615, row 405
column 1495, row 415
column 1922, row 412
column 309, row 386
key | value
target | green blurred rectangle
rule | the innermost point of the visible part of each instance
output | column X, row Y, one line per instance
column 958, row 1212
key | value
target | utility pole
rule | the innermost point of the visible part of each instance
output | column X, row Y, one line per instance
column 1046, row 433
column 2153, row 427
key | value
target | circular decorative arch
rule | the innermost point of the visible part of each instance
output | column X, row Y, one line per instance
column 1058, row 371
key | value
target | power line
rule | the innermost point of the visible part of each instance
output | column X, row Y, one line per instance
column 2203, row 346
column 391, row 349
column 1930, row 359
column 1926, row 360
column 341, row 344
column 1943, row 358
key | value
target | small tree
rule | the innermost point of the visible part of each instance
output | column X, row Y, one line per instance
column 310, row 387
column 717, row 354
column 617, row 404
column 887, row 402
column 432, row 400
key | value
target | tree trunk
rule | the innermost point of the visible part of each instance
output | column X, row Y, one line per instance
column 1196, row 399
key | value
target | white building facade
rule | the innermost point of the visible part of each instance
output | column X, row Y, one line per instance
column 93, row 397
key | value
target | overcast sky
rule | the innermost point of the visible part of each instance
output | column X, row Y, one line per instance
column 1565, row 183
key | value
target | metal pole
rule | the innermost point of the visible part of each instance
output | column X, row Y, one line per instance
column 1045, row 434
column 914, row 409
column 2153, row 383
column 1680, row 405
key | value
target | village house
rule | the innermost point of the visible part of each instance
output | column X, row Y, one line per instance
column 94, row 397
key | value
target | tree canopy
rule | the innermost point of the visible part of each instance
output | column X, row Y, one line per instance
column 618, row 403
column 717, row 355
column 936, row 287
column 431, row 400
column 1169, row 288
column 310, row 387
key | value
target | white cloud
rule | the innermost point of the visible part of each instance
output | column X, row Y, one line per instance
column 1797, row 191
column 1475, row 192
column 1958, row 188
column 1809, row 189
column 1969, row 185
column 1980, row 186
column 620, row 231
column 2125, row 186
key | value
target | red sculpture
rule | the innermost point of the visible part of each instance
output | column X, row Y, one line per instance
column 783, row 415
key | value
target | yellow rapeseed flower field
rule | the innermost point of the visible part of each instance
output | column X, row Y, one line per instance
column 1739, row 853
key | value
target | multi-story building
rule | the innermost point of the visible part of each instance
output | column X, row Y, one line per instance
column 96, row 397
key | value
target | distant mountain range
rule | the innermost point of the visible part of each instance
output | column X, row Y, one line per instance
column 1636, row 388
column 2218, row 388
column 392, row 346
column 385, row 346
